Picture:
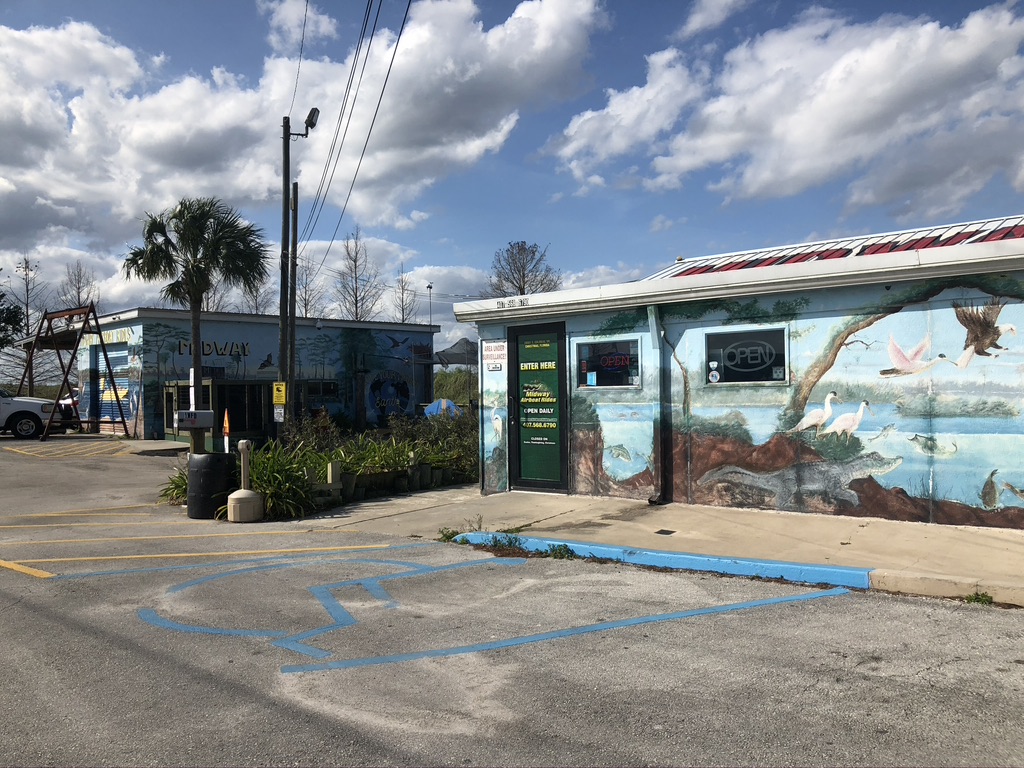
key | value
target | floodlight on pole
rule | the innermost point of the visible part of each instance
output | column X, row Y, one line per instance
column 430, row 303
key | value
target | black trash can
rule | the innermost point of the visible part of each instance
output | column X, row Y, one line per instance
column 210, row 476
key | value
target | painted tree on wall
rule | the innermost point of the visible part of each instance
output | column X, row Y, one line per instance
column 162, row 340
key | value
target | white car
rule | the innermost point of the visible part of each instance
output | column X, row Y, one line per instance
column 23, row 417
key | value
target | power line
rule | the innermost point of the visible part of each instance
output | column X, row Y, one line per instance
column 298, row 68
column 369, row 131
column 319, row 199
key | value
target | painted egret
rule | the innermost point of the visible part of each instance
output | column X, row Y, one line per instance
column 817, row 417
column 846, row 423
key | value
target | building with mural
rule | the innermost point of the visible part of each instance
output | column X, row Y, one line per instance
column 873, row 376
column 365, row 371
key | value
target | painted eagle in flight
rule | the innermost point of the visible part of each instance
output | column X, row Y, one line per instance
column 983, row 333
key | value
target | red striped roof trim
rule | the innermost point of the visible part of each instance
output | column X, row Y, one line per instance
column 989, row 230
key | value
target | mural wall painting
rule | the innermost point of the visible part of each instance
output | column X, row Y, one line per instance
column 145, row 357
column 613, row 427
column 494, row 407
column 905, row 406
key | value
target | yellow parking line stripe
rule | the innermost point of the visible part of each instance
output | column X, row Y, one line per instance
column 83, row 514
column 23, row 453
column 91, row 511
column 66, row 449
column 33, row 526
column 26, row 570
column 87, row 511
column 171, row 555
column 180, row 536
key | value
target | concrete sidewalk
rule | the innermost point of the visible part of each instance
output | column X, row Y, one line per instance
column 913, row 558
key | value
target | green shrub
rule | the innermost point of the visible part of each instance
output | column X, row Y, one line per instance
column 506, row 542
column 447, row 534
column 458, row 385
column 318, row 432
column 278, row 472
column 369, row 452
column 175, row 491
column 561, row 552
column 443, row 441
column 982, row 598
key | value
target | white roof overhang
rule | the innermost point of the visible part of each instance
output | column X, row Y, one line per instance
column 951, row 261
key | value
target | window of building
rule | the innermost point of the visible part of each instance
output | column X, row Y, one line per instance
column 323, row 390
column 757, row 355
column 614, row 363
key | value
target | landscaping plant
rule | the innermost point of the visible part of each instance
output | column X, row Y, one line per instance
column 279, row 473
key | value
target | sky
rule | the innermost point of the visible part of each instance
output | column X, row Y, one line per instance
column 617, row 135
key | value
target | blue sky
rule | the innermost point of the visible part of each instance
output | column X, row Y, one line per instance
column 618, row 135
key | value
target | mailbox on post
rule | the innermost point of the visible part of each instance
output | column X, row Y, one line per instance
column 193, row 419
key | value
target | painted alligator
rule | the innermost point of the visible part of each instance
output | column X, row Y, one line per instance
column 828, row 479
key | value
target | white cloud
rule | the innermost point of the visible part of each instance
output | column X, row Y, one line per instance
column 709, row 14
column 890, row 106
column 453, row 96
column 96, row 135
column 296, row 23
column 634, row 118
column 661, row 223
column 602, row 275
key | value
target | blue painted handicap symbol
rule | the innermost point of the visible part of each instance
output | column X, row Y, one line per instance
column 339, row 618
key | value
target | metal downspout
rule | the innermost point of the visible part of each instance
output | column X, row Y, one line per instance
column 663, row 480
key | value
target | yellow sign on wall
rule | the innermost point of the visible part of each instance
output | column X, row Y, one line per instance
column 279, row 393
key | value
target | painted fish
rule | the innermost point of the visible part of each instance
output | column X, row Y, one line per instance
column 885, row 431
column 1014, row 490
column 619, row 451
column 932, row 447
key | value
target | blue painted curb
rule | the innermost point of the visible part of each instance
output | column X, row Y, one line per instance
column 836, row 575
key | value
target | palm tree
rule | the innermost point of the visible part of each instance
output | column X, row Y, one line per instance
column 198, row 244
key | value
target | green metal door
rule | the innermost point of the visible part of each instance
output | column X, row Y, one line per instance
column 538, row 413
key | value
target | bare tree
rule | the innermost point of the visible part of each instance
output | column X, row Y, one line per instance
column 79, row 287
column 520, row 269
column 217, row 298
column 310, row 291
column 32, row 297
column 257, row 299
column 11, row 325
column 358, row 287
column 403, row 298
column 10, row 319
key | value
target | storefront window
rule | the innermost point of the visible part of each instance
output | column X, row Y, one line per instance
column 324, row 390
column 608, row 363
column 754, row 356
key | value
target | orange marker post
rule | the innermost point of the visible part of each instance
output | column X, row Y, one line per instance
column 227, row 432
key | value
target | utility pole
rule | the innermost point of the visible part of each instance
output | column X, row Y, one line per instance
column 286, row 328
column 286, row 174
column 293, row 282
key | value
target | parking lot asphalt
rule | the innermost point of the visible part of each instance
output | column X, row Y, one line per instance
column 136, row 635
column 867, row 553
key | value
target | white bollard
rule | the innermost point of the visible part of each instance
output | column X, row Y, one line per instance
column 245, row 506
